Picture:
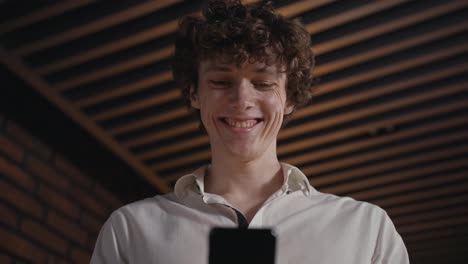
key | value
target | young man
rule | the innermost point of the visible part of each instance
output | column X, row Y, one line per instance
column 244, row 70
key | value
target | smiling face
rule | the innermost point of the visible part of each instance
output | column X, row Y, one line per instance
column 242, row 108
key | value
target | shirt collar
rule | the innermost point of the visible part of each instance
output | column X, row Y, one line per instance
column 294, row 180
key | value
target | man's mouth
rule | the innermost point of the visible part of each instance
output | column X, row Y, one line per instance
column 238, row 123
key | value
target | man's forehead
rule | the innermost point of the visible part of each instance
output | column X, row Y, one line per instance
column 211, row 65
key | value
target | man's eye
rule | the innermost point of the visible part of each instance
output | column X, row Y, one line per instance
column 264, row 85
column 220, row 83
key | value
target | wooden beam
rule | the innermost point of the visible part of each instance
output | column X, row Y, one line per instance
column 451, row 231
column 375, row 141
column 459, row 220
column 137, row 105
column 150, row 121
column 389, row 48
column 14, row 64
column 382, row 167
column 178, row 130
column 105, row 49
column 395, row 189
column 435, row 203
column 417, row 195
column 389, row 177
column 299, row 7
column 180, row 161
column 126, row 89
column 352, row 14
column 369, row 111
column 94, row 26
column 178, row 146
column 383, row 71
column 381, row 154
column 425, row 216
column 41, row 14
column 388, row 27
column 370, row 95
column 309, row 110
column 176, row 175
column 113, row 69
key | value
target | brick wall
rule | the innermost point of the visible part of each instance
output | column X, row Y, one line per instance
column 50, row 212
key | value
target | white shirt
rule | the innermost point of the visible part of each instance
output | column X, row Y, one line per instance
column 311, row 227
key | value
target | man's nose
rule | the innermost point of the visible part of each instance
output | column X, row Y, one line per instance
column 242, row 95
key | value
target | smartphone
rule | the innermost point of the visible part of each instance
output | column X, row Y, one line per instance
column 242, row 246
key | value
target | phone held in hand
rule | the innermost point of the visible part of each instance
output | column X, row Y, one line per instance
column 242, row 246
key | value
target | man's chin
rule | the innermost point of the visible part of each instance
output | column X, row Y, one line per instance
column 245, row 154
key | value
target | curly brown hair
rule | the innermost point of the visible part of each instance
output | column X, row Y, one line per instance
column 239, row 33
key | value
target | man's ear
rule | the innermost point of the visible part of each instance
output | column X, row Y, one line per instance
column 288, row 109
column 194, row 101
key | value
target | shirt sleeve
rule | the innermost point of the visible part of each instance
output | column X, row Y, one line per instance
column 110, row 243
column 389, row 248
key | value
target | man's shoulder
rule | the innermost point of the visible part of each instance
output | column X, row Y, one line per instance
column 148, row 207
column 347, row 205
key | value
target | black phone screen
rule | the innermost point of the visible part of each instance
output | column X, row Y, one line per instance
column 242, row 246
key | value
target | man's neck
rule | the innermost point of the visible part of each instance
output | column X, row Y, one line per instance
column 235, row 179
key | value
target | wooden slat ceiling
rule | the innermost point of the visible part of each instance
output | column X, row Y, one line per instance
column 389, row 124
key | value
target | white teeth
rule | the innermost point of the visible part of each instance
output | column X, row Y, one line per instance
column 241, row 124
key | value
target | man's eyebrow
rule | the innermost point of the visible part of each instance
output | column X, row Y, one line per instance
column 266, row 70
column 221, row 68
column 218, row 68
